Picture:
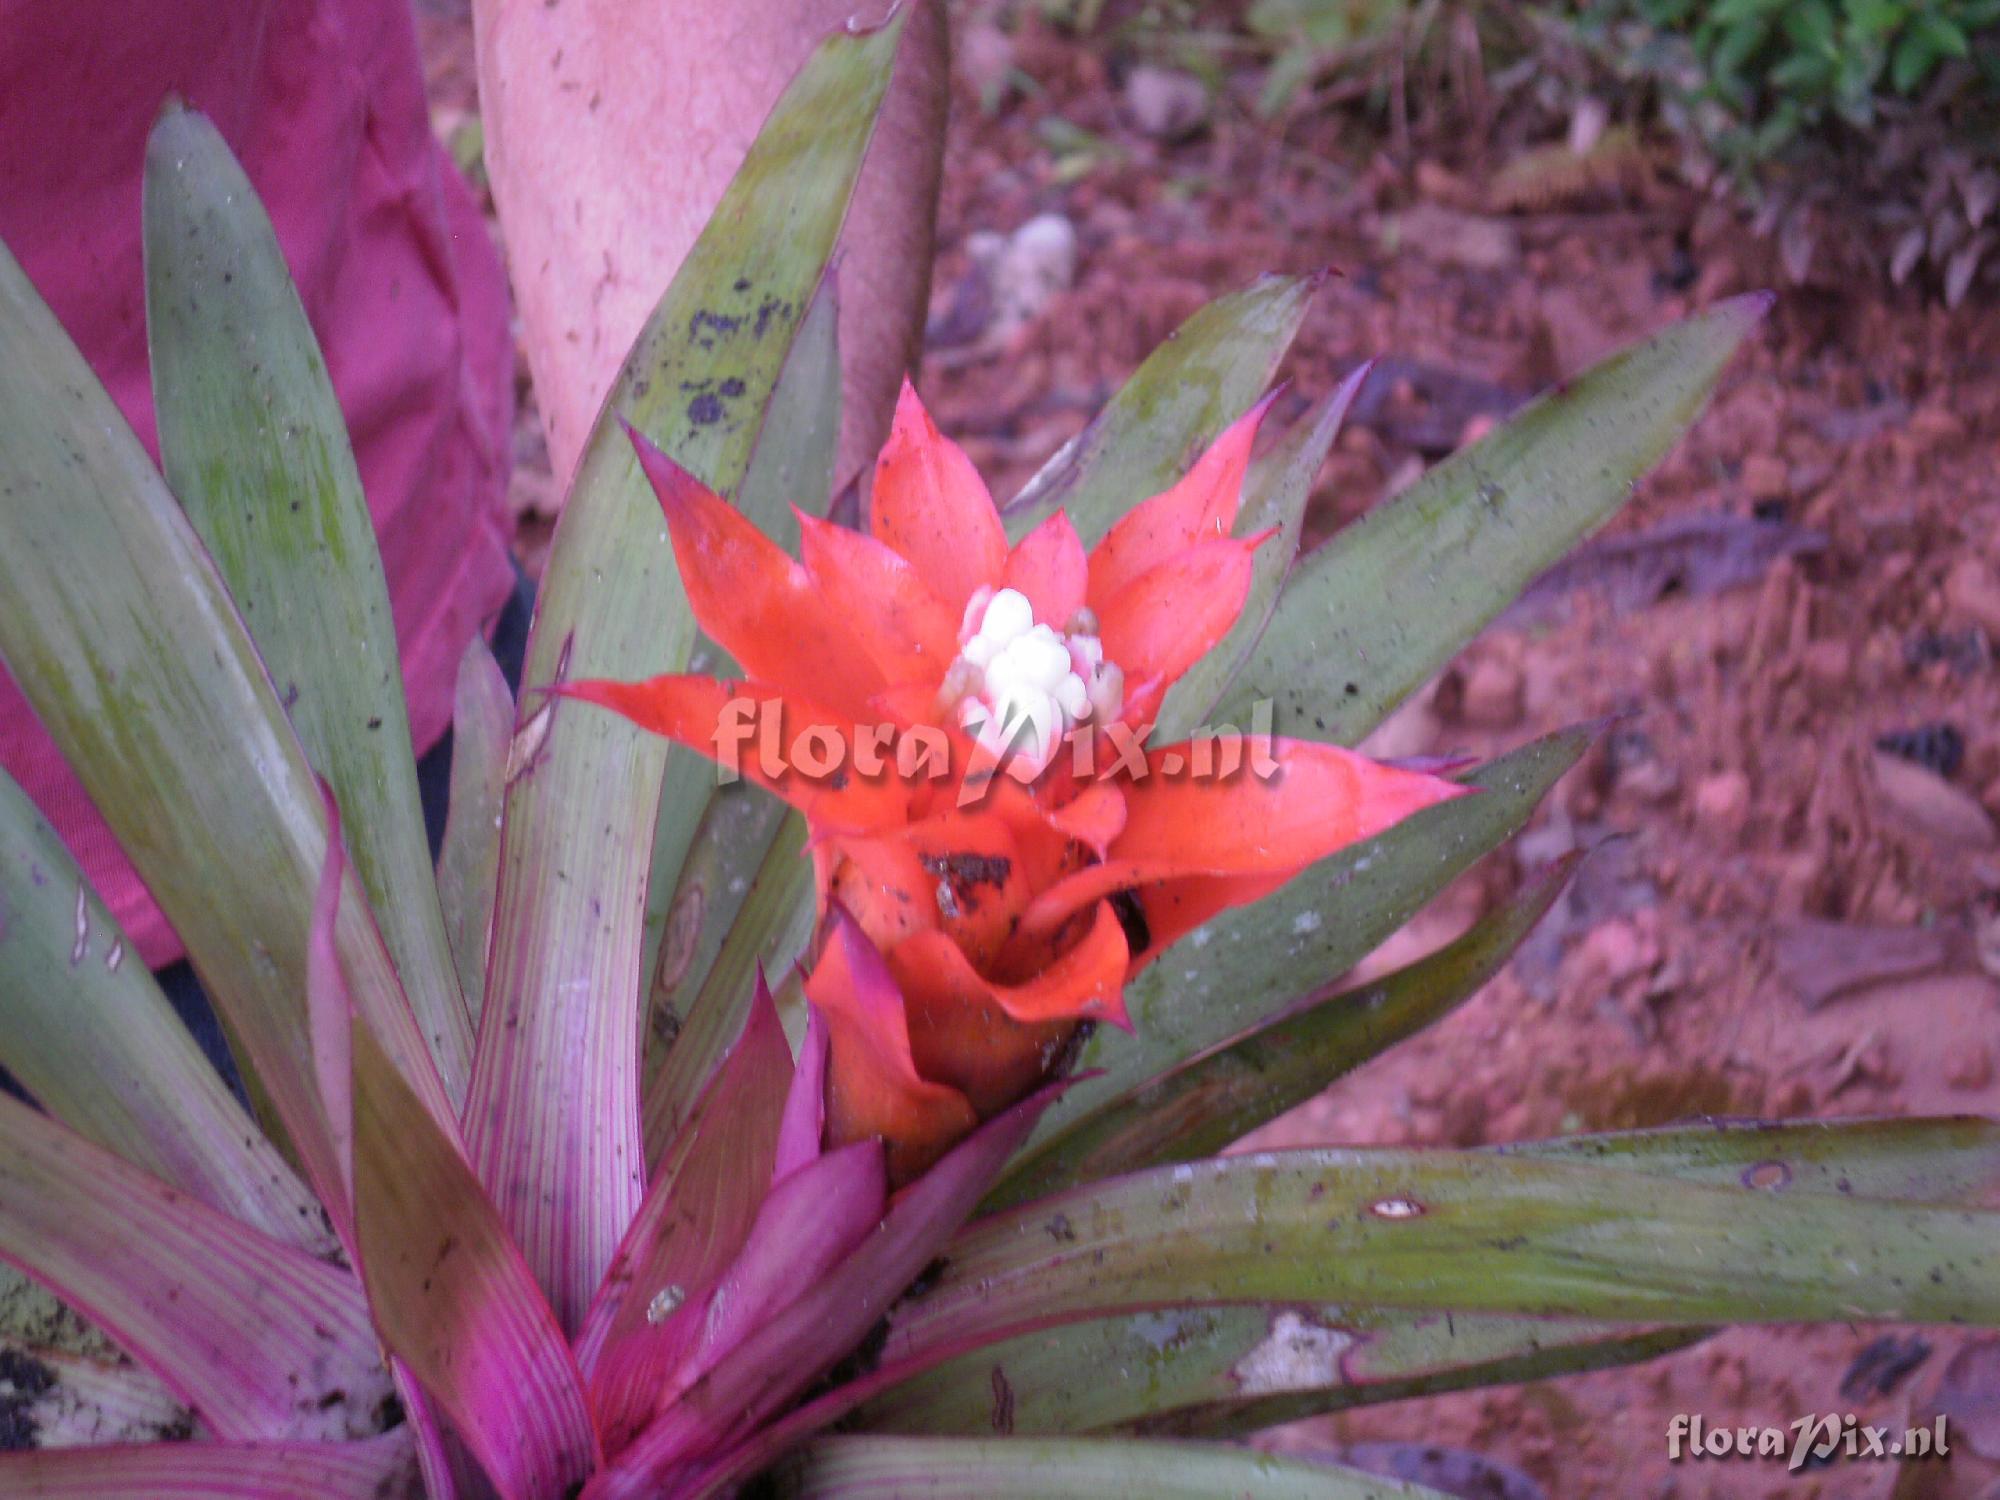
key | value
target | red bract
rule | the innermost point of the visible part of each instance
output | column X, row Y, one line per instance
column 962, row 724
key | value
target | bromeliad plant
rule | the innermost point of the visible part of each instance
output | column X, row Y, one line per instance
column 547, row 1194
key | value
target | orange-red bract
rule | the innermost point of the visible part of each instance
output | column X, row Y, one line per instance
column 975, row 916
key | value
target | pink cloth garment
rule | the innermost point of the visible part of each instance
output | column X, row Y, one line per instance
column 323, row 102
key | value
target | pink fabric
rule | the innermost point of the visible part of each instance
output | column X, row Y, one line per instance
column 323, row 102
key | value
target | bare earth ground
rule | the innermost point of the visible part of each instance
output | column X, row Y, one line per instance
column 1780, row 918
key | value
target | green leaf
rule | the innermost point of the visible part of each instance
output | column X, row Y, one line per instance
column 791, row 467
column 1945, row 36
column 710, row 841
column 1911, row 62
column 1248, row 964
column 482, row 729
column 563, row 1161
column 1219, row 1371
column 86, row 1031
column 1808, row 24
column 1070, row 1469
column 1202, row 378
column 1275, row 494
column 771, row 923
column 1939, row 1161
column 1291, row 70
column 1457, row 1231
column 1198, row 1109
column 124, row 640
column 1369, row 616
column 256, row 449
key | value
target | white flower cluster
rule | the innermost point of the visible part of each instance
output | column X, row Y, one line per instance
column 1022, row 686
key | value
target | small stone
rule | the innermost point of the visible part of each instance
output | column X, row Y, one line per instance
column 1455, row 239
column 1970, row 1068
column 1722, row 801
column 1972, row 591
column 1766, row 478
column 1492, row 696
column 1610, row 952
column 1932, row 805
column 1650, row 779
column 1027, row 269
column 1165, row 105
column 984, row 55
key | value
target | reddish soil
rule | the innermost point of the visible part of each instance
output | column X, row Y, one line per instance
column 1740, row 800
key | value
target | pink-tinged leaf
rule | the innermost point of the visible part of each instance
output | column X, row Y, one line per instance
column 331, row 1023
column 553, row 1115
column 213, row 1471
column 794, row 1348
column 453, row 1298
column 808, row 1223
column 696, row 1215
column 262, row 1340
column 330, row 1015
column 441, row 1463
column 804, row 1228
column 88, row 1035
column 802, row 1128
